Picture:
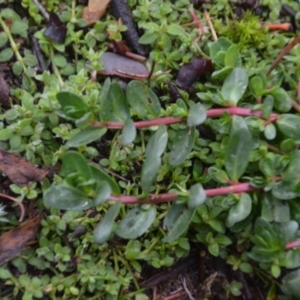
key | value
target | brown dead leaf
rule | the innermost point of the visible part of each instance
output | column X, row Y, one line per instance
column 19, row 170
column 4, row 92
column 118, row 65
column 13, row 242
column 94, row 11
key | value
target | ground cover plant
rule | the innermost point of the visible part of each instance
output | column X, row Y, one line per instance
column 124, row 151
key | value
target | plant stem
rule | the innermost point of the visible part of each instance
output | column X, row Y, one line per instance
column 210, row 113
column 12, row 43
column 237, row 188
column 55, row 69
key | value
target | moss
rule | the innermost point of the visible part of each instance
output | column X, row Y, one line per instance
column 247, row 32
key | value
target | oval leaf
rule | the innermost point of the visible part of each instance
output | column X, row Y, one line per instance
column 182, row 146
column 172, row 215
column 100, row 175
column 104, row 229
column 197, row 196
column 128, row 132
column 86, row 136
column 73, row 161
column 235, row 85
column 136, row 222
column 149, row 170
column 197, row 115
column 73, row 107
column 291, row 284
column 142, row 99
column 180, row 224
column 289, row 125
column 102, row 194
column 67, row 198
column 239, row 211
column 238, row 148
column 157, row 142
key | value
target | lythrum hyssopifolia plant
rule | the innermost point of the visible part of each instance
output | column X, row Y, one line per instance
column 238, row 189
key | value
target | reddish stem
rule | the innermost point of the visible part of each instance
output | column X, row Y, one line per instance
column 292, row 244
column 211, row 113
column 18, row 202
column 168, row 197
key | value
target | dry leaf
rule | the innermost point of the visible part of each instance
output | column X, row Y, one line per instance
column 94, row 11
column 19, row 170
column 4, row 92
column 13, row 242
column 117, row 65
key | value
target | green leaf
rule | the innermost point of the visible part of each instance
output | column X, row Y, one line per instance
column 128, row 132
column 284, row 191
column 221, row 73
column 150, row 168
column 257, row 86
column 235, row 86
column 268, row 104
column 289, row 125
column 5, row 134
column 282, row 100
column 270, row 132
column 291, row 284
column 6, row 55
column 239, row 211
column 73, row 161
column 238, row 148
column 292, row 171
column 292, row 259
column 86, row 136
column 222, row 44
column 142, row 99
column 136, row 222
column 104, row 229
column 73, row 107
column 100, row 175
column 157, row 142
column 218, row 175
column 3, row 39
column 175, row 29
column 197, row 196
column 274, row 209
column 67, row 198
column 232, row 57
column 148, row 38
column 59, row 60
column 114, row 105
column 182, row 145
column 119, row 102
column 102, row 194
column 197, row 115
column 181, row 217
column 172, row 215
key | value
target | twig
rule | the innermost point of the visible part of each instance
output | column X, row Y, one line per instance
column 285, row 50
column 42, row 9
column 281, row 26
column 18, row 202
column 210, row 25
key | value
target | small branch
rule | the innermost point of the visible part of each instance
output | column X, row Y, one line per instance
column 169, row 197
column 284, row 51
column 280, row 27
column 41, row 9
column 210, row 25
column 211, row 113
column 18, row 202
